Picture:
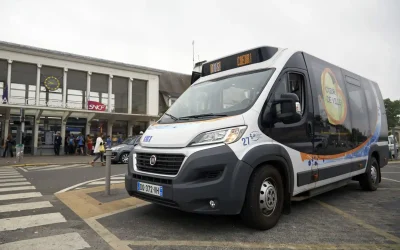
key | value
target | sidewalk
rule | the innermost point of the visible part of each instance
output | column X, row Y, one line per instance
column 46, row 160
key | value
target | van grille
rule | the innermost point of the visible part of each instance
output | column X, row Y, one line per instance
column 165, row 163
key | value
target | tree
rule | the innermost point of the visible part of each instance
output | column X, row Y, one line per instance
column 392, row 112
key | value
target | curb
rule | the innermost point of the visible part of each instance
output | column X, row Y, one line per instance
column 42, row 164
column 394, row 162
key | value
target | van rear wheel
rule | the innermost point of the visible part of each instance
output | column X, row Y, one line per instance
column 370, row 179
column 264, row 199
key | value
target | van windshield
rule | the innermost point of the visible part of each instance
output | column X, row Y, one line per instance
column 226, row 96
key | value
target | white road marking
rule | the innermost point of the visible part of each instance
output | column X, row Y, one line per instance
column 24, row 206
column 34, row 167
column 83, row 183
column 13, row 180
column 64, row 167
column 390, row 172
column 14, row 184
column 118, row 178
column 104, row 182
column 8, row 189
column 23, row 169
column 68, row 241
column 390, row 179
column 30, row 221
column 10, row 176
column 8, row 171
column 5, row 197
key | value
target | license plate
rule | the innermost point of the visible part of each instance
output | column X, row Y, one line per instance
column 150, row 189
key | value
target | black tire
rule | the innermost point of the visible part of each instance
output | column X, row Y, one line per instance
column 252, row 214
column 121, row 158
column 367, row 179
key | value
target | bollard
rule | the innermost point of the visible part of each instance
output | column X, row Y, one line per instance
column 108, row 171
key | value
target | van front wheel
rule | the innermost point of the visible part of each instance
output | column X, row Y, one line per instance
column 370, row 179
column 264, row 199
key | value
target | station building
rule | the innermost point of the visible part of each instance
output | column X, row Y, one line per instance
column 44, row 92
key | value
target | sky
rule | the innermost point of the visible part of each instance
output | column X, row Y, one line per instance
column 362, row 36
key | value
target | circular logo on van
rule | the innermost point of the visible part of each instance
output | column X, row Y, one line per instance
column 52, row 83
column 333, row 99
column 153, row 160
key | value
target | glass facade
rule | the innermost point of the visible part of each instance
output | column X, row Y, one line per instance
column 76, row 89
column 23, row 83
column 99, row 88
column 23, row 91
column 120, row 94
column 51, row 86
column 139, row 96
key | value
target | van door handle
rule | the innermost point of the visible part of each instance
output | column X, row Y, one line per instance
column 310, row 129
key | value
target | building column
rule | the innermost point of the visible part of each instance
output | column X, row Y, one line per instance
column 109, row 93
column 130, row 96
column 130, row 128
column 9, row 80
column 88, row 124
column 6, row 124
column 63, row 130
column 109, row 129
column 37, row 101
column 36, row 135
column 64, row 96
column 88, row 81
column 152, row 96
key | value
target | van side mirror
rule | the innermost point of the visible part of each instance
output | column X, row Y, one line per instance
column 286, row 109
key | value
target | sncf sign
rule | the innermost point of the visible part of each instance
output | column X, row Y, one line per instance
column 96, row 106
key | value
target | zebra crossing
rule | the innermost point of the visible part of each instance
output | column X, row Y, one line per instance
column 52, row 167
column 21, row 208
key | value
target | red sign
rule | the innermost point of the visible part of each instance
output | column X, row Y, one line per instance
column 96, row 106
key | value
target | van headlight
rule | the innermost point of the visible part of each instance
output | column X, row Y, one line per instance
column 227, row 135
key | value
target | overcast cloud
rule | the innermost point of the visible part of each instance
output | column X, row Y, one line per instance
column 362, row 36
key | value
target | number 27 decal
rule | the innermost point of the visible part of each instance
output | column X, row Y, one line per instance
column 246, row 141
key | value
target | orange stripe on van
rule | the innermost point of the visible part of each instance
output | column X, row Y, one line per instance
column 305, row 156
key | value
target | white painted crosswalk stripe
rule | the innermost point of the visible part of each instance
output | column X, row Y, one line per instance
column 55, row 167
column 9, row 189
column 40, row 167
column 10, row 176
column 64, row 167
column 30, row 221
column 24, row 206
column 8, row 171
column 15, row 184
column 68, row 241
column 103, row 182
column 12, row 180
column 118, row 178
column 5, row 197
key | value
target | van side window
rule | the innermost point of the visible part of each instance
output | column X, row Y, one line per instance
column 359, row 114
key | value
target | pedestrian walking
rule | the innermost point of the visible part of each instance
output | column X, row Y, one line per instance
column 8, row 146
column 57, row 144
column 109, row 142
column 80, row 142
column 99, row 150
column 71, row 144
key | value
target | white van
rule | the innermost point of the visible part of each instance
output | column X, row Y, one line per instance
column 257, row 130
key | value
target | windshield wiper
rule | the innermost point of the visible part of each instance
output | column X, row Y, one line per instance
column 173, row 117
column 201, row 115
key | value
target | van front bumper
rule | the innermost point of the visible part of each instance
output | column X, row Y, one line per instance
column 211, row 174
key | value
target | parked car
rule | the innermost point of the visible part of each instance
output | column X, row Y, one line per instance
column 120, row 153
column 391, row 140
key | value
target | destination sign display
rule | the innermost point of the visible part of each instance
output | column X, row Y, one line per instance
column 239, row 60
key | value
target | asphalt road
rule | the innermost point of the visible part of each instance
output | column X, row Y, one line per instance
column 341, row 219
column 52, row 220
